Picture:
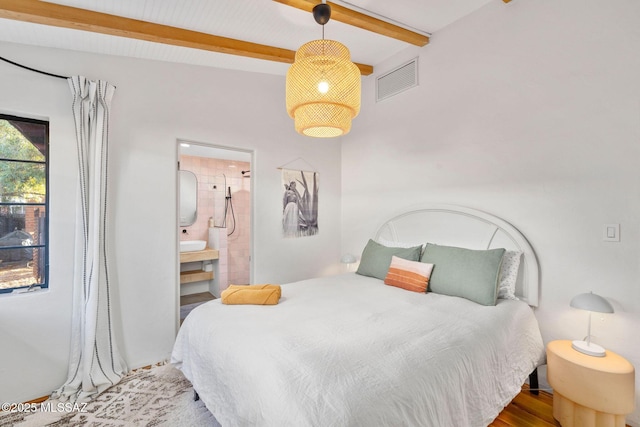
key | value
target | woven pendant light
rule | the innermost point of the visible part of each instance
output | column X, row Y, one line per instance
column 323, row 86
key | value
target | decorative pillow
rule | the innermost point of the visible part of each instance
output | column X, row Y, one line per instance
column 409, row 275
column 509, row 274
column 376, row 258
column 466, row 273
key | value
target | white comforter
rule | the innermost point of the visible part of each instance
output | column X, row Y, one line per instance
column 352, row 351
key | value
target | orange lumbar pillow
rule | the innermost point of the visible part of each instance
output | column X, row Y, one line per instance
column 409, row 275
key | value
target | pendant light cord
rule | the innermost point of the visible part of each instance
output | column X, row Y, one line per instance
column 33, row 69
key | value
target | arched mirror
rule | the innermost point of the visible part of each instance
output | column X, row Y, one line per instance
column 188, row 198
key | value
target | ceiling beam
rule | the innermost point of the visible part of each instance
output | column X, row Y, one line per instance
column 360, row 20
column 40, row 12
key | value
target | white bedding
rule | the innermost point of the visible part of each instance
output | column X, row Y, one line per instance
column 351, row 351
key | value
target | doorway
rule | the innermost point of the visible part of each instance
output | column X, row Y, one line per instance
column 223, row 218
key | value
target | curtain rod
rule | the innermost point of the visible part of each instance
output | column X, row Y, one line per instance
column 33, row 69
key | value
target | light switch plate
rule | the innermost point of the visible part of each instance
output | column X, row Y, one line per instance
column 611, row 233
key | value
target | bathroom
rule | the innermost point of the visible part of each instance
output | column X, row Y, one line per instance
column 222, row 217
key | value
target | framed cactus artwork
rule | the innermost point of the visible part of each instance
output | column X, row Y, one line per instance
column 299, row 203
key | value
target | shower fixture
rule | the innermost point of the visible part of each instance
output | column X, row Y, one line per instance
column 228, row 206
column 246, row 172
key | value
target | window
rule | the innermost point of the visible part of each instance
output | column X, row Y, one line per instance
column 24, row 202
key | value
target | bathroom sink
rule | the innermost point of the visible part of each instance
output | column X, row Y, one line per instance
column 192, row 245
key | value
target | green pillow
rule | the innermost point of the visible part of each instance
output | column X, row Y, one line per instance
column 376, row 258
column 466, row 273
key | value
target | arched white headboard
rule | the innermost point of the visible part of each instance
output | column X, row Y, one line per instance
column 468, row 228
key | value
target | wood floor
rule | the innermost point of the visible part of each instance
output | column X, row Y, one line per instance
column 528, row 410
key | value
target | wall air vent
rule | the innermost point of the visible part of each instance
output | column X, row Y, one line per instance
column 397, row 80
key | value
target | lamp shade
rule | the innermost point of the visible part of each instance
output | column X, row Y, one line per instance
column 591, row 302
column 348, row 259
column 323, row 89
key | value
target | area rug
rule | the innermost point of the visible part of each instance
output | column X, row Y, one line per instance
column 160, row 396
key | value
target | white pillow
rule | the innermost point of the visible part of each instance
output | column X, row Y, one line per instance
column 509, row 274
column 393, row 244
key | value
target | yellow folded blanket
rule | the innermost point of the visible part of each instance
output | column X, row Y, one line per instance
column 255, row 294
column 258, row 287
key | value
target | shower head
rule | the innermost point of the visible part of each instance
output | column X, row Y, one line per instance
column 245, row 172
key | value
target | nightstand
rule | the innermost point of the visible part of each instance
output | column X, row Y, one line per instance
column 589, row 391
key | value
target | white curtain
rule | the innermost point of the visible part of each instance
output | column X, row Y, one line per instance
column 95, row 363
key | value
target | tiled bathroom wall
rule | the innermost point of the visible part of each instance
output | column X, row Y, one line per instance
column 215, row 176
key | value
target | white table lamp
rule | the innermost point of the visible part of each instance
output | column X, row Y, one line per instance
column 590, row 302
column 348, row 259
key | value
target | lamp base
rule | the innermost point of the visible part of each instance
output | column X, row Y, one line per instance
column 590, row 349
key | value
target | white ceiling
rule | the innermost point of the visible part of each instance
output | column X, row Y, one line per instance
column 258, row 21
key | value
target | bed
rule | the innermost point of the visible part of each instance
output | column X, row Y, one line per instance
column 349, row 350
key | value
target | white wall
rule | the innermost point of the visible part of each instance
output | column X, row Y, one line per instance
column 530, row 111
column 155, row 103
